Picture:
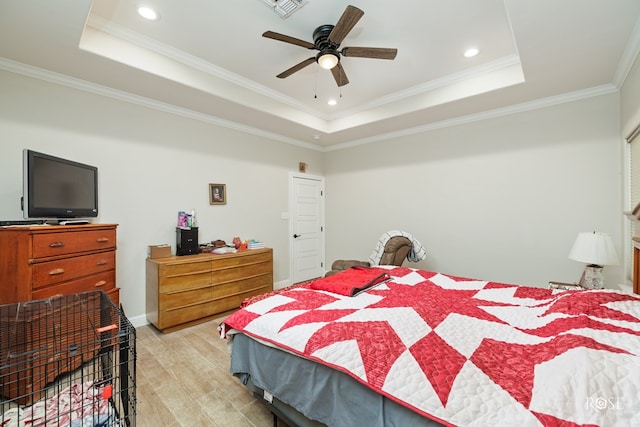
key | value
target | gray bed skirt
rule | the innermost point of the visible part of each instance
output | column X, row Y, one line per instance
column 316, row 391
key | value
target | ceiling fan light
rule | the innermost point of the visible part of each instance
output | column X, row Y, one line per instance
column 327, row 60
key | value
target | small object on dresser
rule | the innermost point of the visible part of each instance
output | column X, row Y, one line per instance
column 187, row 220
column 236, row 242
column 160, row 251
column 224, row 250
column 206, row 247
column 254, row 244
column 565, row 286
column 187, row 241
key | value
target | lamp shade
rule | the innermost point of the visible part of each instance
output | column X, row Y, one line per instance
column 594, row 248
column 327, row 59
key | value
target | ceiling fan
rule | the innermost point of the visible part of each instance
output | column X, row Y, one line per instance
column 327, row 39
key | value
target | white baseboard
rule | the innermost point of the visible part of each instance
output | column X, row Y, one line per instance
column 138, row 321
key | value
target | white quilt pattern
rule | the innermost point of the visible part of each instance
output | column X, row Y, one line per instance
column 469, row 352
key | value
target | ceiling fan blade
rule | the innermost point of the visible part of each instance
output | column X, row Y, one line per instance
column 288, row 39
column 347, row 21
column 339, row 75
column 296, row 67
column 370, row 52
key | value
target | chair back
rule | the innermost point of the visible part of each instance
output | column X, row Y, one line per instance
column 395, row 251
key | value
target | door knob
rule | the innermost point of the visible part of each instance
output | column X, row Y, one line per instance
column 295, row 236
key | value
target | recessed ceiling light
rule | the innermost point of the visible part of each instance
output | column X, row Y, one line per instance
column 147, row 13
column 332, row 102
column 471, row 52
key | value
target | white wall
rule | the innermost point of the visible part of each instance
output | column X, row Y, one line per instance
column 501, row 199
column 151, row 165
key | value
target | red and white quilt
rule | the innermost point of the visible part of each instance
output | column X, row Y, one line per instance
column 469, row 352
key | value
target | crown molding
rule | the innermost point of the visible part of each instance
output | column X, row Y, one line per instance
column 491, row 114
column 96, row 89
column 83, row 85
column 629, row 56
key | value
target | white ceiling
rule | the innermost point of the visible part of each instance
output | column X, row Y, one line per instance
column 207, row 59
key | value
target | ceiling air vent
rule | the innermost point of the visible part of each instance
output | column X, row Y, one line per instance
column 285, row 8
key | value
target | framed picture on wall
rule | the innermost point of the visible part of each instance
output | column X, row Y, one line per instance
column 217, row 194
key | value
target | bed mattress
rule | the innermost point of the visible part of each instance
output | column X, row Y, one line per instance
column 463, row 351
column 320, row 393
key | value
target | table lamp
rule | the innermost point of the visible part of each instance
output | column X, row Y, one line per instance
column 596, row 250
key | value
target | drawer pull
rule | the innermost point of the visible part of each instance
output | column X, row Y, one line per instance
column 100, row 283
column 56, row 244
column 102, row 240
column 56, row 272
column 102, row 262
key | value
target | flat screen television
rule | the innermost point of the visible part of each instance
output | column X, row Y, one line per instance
column 56, row 188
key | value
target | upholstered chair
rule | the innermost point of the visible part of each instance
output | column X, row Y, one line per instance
column 395, row 252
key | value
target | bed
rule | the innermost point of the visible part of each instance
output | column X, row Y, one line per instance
column 420, row 348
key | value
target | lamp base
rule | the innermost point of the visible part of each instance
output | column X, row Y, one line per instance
column 592, row 277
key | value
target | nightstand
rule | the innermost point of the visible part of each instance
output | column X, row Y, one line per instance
column 565, row 286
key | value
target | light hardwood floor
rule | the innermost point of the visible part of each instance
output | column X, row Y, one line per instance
column 183, row 379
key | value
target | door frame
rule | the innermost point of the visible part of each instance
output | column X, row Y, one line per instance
column 292, row 177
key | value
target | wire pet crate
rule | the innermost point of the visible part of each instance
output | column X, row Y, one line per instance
column 67, row 361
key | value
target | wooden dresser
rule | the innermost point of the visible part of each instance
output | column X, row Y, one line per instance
column 184, row 290
column 38, row 262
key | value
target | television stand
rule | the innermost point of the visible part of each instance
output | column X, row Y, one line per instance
column 40, row 262
column 73, row 222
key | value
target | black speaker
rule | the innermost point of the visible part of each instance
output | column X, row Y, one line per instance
column 187, row 241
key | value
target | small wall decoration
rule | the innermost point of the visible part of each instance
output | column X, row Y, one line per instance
column 217, row 194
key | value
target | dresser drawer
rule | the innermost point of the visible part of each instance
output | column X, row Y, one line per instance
column 56, row 244
column 185, row 269
column 184, row 299
column 37, row 355
column 242, row 286
column 227, row 274
column 114, row 294
column 51, row 272
column 189, row 313
column 105, row 281
column 180, row 283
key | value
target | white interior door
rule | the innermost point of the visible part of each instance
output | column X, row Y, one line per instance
column 306, row 226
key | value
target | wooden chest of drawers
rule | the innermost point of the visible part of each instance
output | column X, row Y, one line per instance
column 184, row 290
column 38, row 262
